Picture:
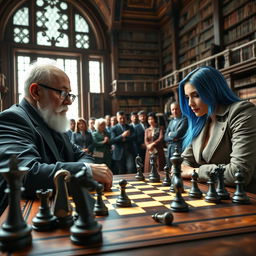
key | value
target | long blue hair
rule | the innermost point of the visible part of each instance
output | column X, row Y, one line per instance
column 213, row 89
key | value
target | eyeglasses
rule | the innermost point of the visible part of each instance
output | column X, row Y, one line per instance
column 63, row 94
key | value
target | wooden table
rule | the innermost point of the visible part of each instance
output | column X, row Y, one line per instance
column 221, row 229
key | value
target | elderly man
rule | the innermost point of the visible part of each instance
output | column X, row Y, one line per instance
column 34, row 131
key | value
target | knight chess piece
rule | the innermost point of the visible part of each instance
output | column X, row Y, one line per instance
column 212, row 195
column 178, row 204
column 100, row 209
column 240, row 196
column 123, row 200
column 44, row 219
column 85, row 230
column 15, row 234
column 165, row 218
column 221, row 190
column 139, row 166
column 166, row 180
column 194, row 191
column 153, row 175
column 61, row 205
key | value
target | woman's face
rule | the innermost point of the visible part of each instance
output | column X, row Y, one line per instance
column 82, row 126
column 194, row 101
column 151, row 121
column 101, row 127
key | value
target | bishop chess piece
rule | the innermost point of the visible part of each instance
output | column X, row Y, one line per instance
column 212, row 195
column 85, row 230
column 61, row 206
column 139, row 166
column 194, row 191
column 166, row 180
column 221, row 190
column 165, row 218
column 44, row 219
column 178, row 204
column 100, row 209
column 15, row 234
column 154, row 176
column 123, row 200
column 240, row 196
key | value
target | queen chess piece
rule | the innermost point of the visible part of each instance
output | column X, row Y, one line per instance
column 221, row 190
column 15, row 234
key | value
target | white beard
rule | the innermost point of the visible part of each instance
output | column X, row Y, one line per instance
column 58, row 122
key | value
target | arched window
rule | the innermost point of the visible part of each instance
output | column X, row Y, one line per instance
column 62, row 31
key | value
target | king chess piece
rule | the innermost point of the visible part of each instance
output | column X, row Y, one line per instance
column 15, row 234
column 178, row 204
column 154, row 176
column 139, row 166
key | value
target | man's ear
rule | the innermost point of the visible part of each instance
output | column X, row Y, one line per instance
column 34, row 91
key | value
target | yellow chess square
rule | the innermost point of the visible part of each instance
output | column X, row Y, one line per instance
column 140, row 196
column 132, row 190
column 164, row 188
column 149, row 204
column 155, row 184
column 199, row 203
column 163, row 198
column 129, row 210
column 110, row 206
column 144, row 186
column 136, row 182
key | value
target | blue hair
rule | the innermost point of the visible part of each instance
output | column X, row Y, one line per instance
column 213, row 89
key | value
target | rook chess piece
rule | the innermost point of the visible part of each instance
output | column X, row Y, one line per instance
column 194, row 192
column 15, row 234
column 123, row 200
column 139, row 166
column 167, row 180
column 212, row 195
column 44, row 219
column 100, row 209
column 154, row 176
column 221, row 190
column 165, row 218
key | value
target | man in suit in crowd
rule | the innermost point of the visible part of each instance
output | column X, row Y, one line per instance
column 34, row 131
column 72, row 125
column 175, row 131
column 134, row 119
column 123, row 137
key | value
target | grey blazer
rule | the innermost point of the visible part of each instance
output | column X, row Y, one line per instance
column 233, row 143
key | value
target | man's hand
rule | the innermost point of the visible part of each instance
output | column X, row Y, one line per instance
column 102, row 174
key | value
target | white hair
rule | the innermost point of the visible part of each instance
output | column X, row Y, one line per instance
column 98, row 122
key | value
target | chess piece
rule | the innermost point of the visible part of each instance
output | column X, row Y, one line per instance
column 100, row 209
column 154, row 176
column 221, row 190
column 123, row 200
column 194, row 191
column 44, row 219
column 167, row 180
column 61, row 206
column 15, row 234
column 178, row 204
column 139, row 166
column 165, row 218
column 212, row 195
column 240, row 196
column 85, row 230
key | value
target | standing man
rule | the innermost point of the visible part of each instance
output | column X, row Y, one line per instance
column 175, row 131
column 134, row 119
column 122, row 136
column 108, row 123
column 72, row 126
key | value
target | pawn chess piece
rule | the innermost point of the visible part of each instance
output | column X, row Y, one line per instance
column 240, row 196
column 212, row 195
column 61, row 206
column 167, row 180
column 221, row 190
column 139, row 166
column 123, row 200
column 44, row 219
column 154, row 176
column 100, row 209
column 194, row 191
column 15, row 234
column 165, row 218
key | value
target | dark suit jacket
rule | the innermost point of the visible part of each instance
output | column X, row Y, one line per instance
column 118, row 144
column 24, row 134
column 139, row 139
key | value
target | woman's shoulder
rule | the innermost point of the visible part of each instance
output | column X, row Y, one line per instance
column 243, row 106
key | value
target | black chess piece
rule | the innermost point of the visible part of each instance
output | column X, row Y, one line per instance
column 100, row 209
column 240, row 196
column 212, row 195
column 62, row 208
column 139, row 166
column 166, row 180
column 178, row 204
column 123, row 200
column 165, row 218
column 194, row 191
column 154, row 176
column 15, row 234
column 221, row 190
column 85, row 230
column 44, row 219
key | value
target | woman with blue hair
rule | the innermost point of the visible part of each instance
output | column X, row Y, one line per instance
column 221, row 128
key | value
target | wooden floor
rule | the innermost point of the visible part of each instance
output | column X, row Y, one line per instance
column 207, row 229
